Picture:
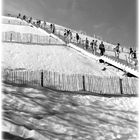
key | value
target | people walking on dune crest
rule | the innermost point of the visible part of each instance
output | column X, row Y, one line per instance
column 131, row 53
column 135, row 58
column 95, row 47
column 117, row 50
column 91, row 46
column 87, row 43
column 102, row 48
column 77, row 37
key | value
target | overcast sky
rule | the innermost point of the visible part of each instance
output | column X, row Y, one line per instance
column 113, row 20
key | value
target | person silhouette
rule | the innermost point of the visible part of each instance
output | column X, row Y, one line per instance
column 102, row 48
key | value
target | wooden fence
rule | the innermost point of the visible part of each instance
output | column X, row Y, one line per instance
column 74, row 82
column 22, row 77
column 14, row 21
column 130, row 85
column 62, row 81
column 11, row 36
column 102, row 85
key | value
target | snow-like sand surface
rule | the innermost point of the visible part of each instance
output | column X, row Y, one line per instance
column 54, row 115
column 55, row 58
column 60, row 116
column 14, row 20
column 23, row 29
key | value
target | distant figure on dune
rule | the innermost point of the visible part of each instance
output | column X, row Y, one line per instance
column 68, row 31
column 135, row 58
column 67, row 35
column 44, row 24
column 95, row 47
column 19, row 15
column 77, row 37
column 91, row 45
column 53, row 28
column 102, row 48
column 24, row 17
column 38, row 23
column 135, row 55
column 70, row 35
column 87, row 43
column 117, row 50
column 130, row 53
column 30, row 20
column 130, row 57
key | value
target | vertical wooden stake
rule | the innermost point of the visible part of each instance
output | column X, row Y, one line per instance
column 83, row 83
column 42, row 78
column 121, row 89
column 11, row 37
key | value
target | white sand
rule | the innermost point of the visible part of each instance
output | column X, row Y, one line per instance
column 55, row 58
column 23, row 29
column 6, row 19
column 20, row 28
column 107, row 115
column 76, row 116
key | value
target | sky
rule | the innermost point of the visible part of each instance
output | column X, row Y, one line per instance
column 114, row 20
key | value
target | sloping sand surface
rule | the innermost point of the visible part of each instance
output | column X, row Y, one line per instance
column 55, row 58
column 45, row 115
column 23, row 29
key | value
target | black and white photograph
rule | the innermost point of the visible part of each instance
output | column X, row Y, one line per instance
column 69, row 70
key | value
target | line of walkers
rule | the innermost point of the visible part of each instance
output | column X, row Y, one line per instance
column 68, row 36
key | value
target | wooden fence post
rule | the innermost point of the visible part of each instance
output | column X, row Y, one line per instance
column 83, row 82
column 42, row 78
column 11, row 37
column 121, row 88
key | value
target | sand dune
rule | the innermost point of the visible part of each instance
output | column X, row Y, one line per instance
column 48, row 115
column 23, row 29
column 43, row 114
column 54, row 58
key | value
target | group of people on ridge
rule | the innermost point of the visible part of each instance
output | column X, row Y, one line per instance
column 92, row 45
